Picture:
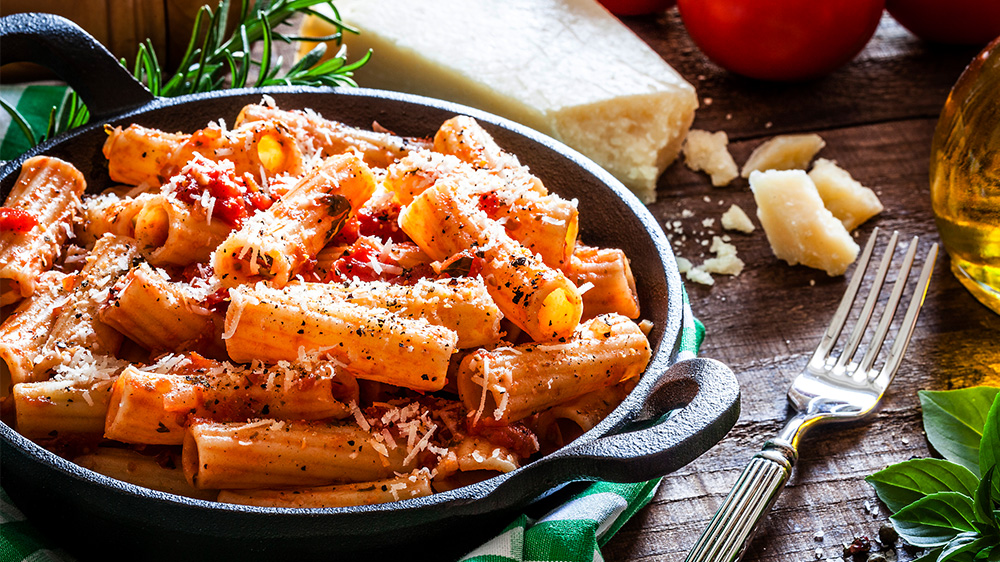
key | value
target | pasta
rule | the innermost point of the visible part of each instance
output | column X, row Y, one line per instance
column 299, row 313
column 45, row 199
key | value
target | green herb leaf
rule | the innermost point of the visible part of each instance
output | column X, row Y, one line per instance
column 989, row 448
column 935, row 519
column 963, row 548
column 339, row 208
column 954, row 421
column 901, row 484
column 21, row 122
column 984, row 501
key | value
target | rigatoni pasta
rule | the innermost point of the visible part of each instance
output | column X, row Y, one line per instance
column 275, row 244
column 38, row 218
column 299, row 313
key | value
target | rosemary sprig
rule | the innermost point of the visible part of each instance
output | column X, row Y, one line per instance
column 215, row 59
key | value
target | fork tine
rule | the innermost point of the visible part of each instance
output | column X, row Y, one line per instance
column 895, row 357
column 840, row 316
column 890, row 310
column 866, row 311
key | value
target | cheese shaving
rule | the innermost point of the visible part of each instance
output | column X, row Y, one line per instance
column 421, row 445
column 358, row 416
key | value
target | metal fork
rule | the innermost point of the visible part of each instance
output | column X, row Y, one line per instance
column 831, row 388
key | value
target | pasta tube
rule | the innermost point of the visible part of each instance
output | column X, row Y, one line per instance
column 263, row 149
column 48, row 192
column 538, row 299
column 511, row 383
column 170, row 233
column 137, row 154
column 53, row 407
column 78, row 324
column 154, row 408
column 268, row 453
column 379, row 149
column 141, row 156
column 26, row 330
column 109, row 213
column 156, row 313
column 472, row 460
column 608, row 274
column 414, row 485
column 564, row 422
column 274, row 244
column 159, row 472
column 459, row 304
column 463, row 137
column 271, row 325
column 545, row 223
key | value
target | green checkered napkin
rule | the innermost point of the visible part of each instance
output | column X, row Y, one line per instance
column 573, row 532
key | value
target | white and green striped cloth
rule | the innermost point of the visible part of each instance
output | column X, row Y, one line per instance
column 573, row 532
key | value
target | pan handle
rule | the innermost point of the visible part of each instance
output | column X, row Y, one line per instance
column 64, row 48
column 703, row 395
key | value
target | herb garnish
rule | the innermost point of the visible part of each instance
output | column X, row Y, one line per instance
column 214, row 60
column 952, row 505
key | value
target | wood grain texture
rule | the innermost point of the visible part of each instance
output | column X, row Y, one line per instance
column 877, row 116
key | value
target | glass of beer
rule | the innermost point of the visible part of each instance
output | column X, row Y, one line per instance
column 965, row 177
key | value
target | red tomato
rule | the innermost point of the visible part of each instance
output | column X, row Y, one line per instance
column 964, row 22
column 781, row 39
column 636, row 7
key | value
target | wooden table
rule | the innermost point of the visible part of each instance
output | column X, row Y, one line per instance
column 877, row 116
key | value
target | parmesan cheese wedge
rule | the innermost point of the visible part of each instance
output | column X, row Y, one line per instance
column 784, row 152
column 845, row 197
column 798, row 227
column 566, row 68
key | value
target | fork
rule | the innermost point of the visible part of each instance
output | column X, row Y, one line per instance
column 832, row 388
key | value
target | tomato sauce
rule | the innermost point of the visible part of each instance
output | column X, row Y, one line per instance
column 236, row 198
column 16, row 220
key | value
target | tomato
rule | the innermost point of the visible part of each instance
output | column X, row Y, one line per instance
column 781, row 39
column 636, row 7
column 964, row 22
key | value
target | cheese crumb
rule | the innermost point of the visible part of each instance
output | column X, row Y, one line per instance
column 707, row 152
column 845, row 197
column 725, row 261
column 700, row 276
column 784, row 152
column 736, row 219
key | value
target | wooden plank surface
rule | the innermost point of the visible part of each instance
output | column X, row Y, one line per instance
column 877, row 116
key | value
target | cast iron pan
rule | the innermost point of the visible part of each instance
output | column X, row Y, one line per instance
column 98, row 517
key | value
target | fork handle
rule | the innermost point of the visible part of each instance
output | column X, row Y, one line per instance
column 730, row 531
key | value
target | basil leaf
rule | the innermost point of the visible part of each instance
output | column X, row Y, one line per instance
column 963, row 548
column 935, row 519
column 954, row 421
column 984, row 499
column 989, row 447
column 903, row 483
